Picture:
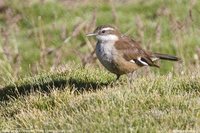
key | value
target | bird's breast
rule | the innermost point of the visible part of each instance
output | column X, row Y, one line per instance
column 105, row 53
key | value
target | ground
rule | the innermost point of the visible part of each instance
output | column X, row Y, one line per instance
column 51, row 80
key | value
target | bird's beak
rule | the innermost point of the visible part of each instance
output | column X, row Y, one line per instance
column 91, row 34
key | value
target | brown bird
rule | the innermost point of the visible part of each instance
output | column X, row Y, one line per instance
column 122, row 55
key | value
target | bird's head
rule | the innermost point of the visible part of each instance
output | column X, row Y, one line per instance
column 105, row 33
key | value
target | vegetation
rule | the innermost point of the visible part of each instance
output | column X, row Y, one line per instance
column 51, row 80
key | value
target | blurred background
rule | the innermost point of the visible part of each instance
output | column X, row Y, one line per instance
column 41, row 35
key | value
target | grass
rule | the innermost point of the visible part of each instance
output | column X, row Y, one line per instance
column 45, row 85
column 153, row 103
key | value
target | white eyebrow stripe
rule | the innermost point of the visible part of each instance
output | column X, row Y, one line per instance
column 108, row 28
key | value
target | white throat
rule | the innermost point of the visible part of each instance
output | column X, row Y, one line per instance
column 107, row 38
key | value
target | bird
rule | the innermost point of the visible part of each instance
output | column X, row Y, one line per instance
column 120, row 54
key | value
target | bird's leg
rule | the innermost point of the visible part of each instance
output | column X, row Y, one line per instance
column 115, row 81
column 118, row 76
column 130, row 79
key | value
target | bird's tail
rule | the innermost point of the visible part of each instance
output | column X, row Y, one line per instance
column 166, row 57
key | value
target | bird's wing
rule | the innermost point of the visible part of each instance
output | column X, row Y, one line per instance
column 132, row 51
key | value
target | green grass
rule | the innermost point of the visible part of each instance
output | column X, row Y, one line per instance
column 152, row 104
column 53, row 91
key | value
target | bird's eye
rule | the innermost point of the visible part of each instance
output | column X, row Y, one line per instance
column 103, row 31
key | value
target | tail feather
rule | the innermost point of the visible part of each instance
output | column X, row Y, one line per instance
column 166, row 57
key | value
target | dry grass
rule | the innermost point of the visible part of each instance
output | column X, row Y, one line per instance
column 152, row 104
column 41, row 89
